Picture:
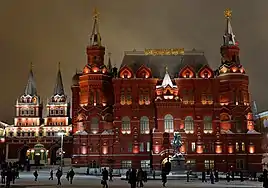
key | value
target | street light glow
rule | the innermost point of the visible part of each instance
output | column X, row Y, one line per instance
column 61, row 133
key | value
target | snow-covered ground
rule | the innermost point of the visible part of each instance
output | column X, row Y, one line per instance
column 27, row 179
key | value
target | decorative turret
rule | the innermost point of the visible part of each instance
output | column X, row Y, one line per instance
column 95, row 51
column 109, row 65
column 28, row 105
column 30, row 88
column 230, row 50
column 58, row 108
column 167, row 90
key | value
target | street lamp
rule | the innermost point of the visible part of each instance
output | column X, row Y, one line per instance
column 61, row 134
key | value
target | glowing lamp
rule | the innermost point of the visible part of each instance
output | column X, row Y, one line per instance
column 105, row 150
column 218, row 149
column 136, row 149
column 182, row 149
column 2, row 140
column 199, row 149
column 230, row 149
column 83, row 150
column 156, row 149
column 95, row 69
column 251, row 149
column 225, row 125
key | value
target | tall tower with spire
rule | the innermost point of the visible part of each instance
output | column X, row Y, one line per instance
column 29, row 106
column 58, row 108
column 229, row 49
column 95, row 50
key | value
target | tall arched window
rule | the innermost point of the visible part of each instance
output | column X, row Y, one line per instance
column 94, row 125
column 189, row 124
column 126, row 125
column 97, row 97
column 169, row 123
column 238, row 124
column 207, row 124
column 91, row 95
column 144, row 125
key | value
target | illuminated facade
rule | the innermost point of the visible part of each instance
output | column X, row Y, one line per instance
column 127, row 118
column 31, row 130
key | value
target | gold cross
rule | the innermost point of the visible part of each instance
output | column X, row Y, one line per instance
column 96, row 13
column 228, row 13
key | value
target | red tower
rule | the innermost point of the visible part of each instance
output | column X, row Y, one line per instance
column 92, row 106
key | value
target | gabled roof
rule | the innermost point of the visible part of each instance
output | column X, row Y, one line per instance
column 135, row 59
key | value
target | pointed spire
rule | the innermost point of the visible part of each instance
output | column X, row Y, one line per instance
column 109, row 66
column 59, row 89
column 95, row 38
column 167, row 80
column 228, row 37
column 31, row 87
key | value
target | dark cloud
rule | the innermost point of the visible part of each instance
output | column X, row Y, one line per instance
column 46, row 32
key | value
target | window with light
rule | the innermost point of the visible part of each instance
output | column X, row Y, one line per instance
column 144, row 125
column 189, row 124
column 126, row 129
column 208, row 124
column 169, row 123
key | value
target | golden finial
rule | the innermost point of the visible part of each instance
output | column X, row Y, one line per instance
column 228, row 13
column 96, row 14
column 166, row 68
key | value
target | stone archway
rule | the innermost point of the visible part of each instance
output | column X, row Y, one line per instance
column 53, row 154
column 22, row 153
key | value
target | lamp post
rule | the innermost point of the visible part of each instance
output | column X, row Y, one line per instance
column 61, row 134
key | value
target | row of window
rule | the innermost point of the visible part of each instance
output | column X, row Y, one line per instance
column 57, row 111
column 127, row 164
column 31, row 134
column 210, row 147
column 33, row 123
column 210, row 164
column 27, row 112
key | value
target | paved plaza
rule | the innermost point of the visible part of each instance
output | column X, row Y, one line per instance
column 27, row 180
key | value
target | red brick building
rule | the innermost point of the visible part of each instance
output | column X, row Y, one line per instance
column 126, row 118
column 34, row 136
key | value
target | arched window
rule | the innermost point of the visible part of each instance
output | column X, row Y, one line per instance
column 207, row 124
column 97, row 97
column 189, row 124
column 144, row 125
column 169, row 123
column 91, row 96
column 126, row 125
column 238, row 124
column 94, row 125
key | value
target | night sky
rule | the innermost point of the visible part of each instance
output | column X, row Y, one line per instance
column 46, row 32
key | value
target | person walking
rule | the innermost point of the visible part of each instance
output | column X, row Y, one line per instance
column 71, row 175
column 140, row 178
column 211, row 177
column 204, row 179
column 51, row 175
column 133, row 178
column 58, row 175
column 164, row 178
column 105, row 175
column 110, row 174
column 35, row 175
column 216, row 173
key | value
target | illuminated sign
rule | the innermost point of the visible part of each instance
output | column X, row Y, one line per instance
column 162, row 52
